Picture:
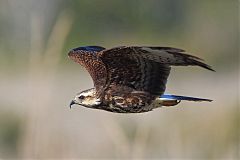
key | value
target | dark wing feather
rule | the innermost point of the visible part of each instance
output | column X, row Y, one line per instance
column 170, row 56
column 94, row 66
column 126, row 68
column 144, row 68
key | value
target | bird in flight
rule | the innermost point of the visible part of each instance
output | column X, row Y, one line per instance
column 131, row 79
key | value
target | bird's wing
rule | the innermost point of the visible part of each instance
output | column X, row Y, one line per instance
column 94, row 66
column 127, row 68
column 144, row 68
column 170, row 56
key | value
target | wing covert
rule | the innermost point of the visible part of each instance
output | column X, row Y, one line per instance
column 126, row 67
column 94, row 66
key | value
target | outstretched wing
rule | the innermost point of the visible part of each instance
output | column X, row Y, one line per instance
column 170, row 56
column 87, row 57
column 144, row 68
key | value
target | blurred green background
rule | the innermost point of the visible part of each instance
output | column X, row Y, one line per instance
column 37, row 80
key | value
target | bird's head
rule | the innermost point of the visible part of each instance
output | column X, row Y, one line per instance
column 86, row 98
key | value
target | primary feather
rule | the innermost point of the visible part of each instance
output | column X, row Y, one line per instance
column 171, row 56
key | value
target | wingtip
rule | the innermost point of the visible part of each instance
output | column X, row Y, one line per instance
column 200, row 63
column 70, row 53
column 209, row 68
column 212, row 69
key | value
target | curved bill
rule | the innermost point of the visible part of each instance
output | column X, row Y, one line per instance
column 72, row 103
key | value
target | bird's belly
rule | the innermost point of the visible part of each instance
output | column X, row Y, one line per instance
column 132, row 103
column 139, row 108
column 113, row 107
column 128, row 109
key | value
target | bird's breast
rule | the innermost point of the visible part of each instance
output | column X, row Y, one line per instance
column 127, row 103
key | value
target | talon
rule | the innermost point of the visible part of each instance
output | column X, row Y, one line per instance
column 72, row 103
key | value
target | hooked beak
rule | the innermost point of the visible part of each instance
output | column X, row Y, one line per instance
column 72, row 103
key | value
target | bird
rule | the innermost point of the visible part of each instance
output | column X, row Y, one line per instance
column 131, row 79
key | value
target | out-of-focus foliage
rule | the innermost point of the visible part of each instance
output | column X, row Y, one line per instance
column 38, row 80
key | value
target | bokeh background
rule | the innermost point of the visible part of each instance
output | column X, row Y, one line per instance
column 37, row 80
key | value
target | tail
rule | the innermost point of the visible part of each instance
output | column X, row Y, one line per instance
column 175, row 97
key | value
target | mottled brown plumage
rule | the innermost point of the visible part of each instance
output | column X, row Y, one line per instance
column 129, row 79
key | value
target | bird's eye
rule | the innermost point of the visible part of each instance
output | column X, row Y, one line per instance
column 81, row 97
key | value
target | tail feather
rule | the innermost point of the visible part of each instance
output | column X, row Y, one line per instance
column 175, row 97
